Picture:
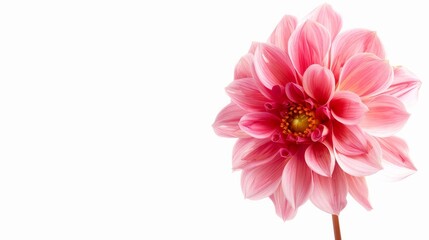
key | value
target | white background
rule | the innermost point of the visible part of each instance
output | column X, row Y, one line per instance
column 105, row 121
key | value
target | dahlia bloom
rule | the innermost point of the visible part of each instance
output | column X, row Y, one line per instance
column 314, row 110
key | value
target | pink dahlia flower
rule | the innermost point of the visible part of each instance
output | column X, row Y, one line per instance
column 314, row 110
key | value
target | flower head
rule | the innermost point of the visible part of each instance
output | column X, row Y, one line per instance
column 314, row 110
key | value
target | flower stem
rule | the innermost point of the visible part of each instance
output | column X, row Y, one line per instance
column 336, row 224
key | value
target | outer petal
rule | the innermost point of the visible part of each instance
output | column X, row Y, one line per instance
column 405, row 85
column 395, row 151
column 280, row 36
column 309, row 44
column 273, row 66
column 319, row 83
column 261, row 181
column 245, row 94
column 364, row 164
column 259, row 124
column 243, row 69
column 226, row 123
column 347, row 108
column 326, row 16
column 386, row 116
column 330, row 193
column 242, row 156
column 349, row 140
column 359, row 190
column 283, row 208
column 320, row 159
column 297, row 181
column 366, row 75
column 352, row 42
column 251, row 152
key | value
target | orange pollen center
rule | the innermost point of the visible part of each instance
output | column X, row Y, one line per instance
column 299, row 121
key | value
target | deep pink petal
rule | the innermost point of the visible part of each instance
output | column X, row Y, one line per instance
column 259, row 124
column 405, row 85
column 364, row 164
column 395, row 151
column 243, row 69
column 319, row 83
column 349, row 140
column 280, row 36
column 273, row 66
column 294, row 93
column 386, row 116
column 347, row 107
column 330, row 19
column 245, row 94
column 359, row 190
column 261, row 181
column 297, row 181
column 366, row 75
column 309, row 44
column 283, row 208
column 226, row 122
column 320, row 159
column 351, row 42
column 330, row 193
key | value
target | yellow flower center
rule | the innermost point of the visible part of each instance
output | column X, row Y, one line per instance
column 299, row 121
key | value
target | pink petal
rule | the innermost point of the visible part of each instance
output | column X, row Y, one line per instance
column 330, row 193
column 273, row 66
column 260, row 124
column 319, row 83
column 347, row 108
column 297, row 181
column 242, row 148
column 352, row 42
column 280, row 36
column 283, row 208
column 349, row 140
column 243, row 69
column 263, row 149
column 395, row 151
column 320, row 159
column 386, row 116
column 364, row 164
column 405, row 85
column 245, row 94
column 309, row 44
column 251, row 152
column 326, row 16
column 266, row 92
column 319, row 134
column 261, row 181
column 359, row 190
column 294, row 93
column 226, row 123
column 366, row 75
